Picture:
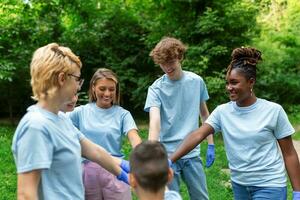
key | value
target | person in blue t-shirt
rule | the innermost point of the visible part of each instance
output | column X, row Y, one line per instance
column 47, row 148
column 174, row 102
column 150, row 172
column 256, row 132
column 106, row 123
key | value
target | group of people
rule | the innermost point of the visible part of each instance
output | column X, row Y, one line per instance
column 67, row 152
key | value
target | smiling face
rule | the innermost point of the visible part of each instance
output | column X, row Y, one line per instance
column 105, row 92
column 172, row 69
column 239, row 88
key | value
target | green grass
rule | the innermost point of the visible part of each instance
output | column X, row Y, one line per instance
column 8, row 178
column 217, row 180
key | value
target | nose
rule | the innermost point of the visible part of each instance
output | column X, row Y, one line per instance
column 228, row 87
column 107, row 93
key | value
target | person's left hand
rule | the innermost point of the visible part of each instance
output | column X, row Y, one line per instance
column 125, row 165
column 123, row 176
column 296, row 195
column 210, row 155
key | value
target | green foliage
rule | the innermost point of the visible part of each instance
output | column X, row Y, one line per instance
column 279, row 42
column 120, row 34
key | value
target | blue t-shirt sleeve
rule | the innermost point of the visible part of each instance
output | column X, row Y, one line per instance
column 283, row 126
column 74, row 116
column 34, row 149
column 214, row 120
column 152, row 99
column 203, row 91
column 128, row 123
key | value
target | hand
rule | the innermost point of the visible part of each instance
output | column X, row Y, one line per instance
column 123, row 176
column 210, row 155
column 296, row 195
column 125, row 166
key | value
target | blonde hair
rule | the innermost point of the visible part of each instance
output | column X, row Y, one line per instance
column 108, row 74
column 47, row 62
column 167, row 50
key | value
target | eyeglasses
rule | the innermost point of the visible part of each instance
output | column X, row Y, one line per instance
column 78, row 79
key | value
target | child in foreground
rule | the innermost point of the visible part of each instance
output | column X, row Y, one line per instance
column 150, row 172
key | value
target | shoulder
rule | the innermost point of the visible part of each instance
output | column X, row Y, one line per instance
column 157, row 83
column 192, row 76
column 172, row 195
column 120, row 110
column 269, row 104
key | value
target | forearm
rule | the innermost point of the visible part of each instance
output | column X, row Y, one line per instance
column 134, row 138
column 99, row 155
column 154, row 124
column 106, row 161
column 210, row 139
column 293, row 169
column 153, row 132
column 191, row 141
column 24, row 195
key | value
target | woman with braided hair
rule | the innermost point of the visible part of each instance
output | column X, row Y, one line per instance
column 251, row 127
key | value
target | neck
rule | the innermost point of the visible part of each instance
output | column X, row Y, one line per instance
column 178, row 75
column 50, row 105
column 147, row 195
column 247, row 102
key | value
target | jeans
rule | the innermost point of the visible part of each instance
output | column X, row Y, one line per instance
column 258, row 193
column 192, row 173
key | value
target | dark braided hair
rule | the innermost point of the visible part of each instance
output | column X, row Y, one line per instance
column 245, row 59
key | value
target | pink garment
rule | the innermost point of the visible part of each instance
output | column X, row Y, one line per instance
column 99, row 184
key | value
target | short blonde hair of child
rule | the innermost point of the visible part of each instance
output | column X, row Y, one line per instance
column 47, row 62
column 167, row 50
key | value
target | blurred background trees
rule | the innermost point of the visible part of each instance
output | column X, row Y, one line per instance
column 119, row 34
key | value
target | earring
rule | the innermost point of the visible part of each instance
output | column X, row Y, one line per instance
column 251, row 92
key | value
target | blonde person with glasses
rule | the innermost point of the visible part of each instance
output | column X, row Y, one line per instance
column 47, row 148
column 106, row 123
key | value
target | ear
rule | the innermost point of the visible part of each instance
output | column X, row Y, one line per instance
column 251, row 82
column 61, row 78
column 132, row 180
column 170, row 174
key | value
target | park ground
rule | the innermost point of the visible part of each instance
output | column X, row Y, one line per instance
column 218, row 179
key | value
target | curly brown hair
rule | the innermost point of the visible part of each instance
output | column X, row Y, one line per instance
column 167, row 50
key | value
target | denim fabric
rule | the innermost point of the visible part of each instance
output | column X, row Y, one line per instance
column 192, row 173
column 258, row 193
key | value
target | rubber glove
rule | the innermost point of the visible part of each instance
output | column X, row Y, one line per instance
column 123, row 176
column 125, row 166
column 210, row 155
column 296, row 195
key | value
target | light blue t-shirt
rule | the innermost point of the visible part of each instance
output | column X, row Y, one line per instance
column 250, row 138
column 179, row 104
column 46, row 141
column 172, row 195
column 105, row 127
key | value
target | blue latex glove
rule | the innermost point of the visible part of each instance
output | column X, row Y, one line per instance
column 210, row 155
column 125, row 166
column 296, row 195
column 123, row 176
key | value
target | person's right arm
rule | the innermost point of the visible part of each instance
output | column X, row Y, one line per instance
column 154, row 124
column 28, row 185
column 191, row 141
